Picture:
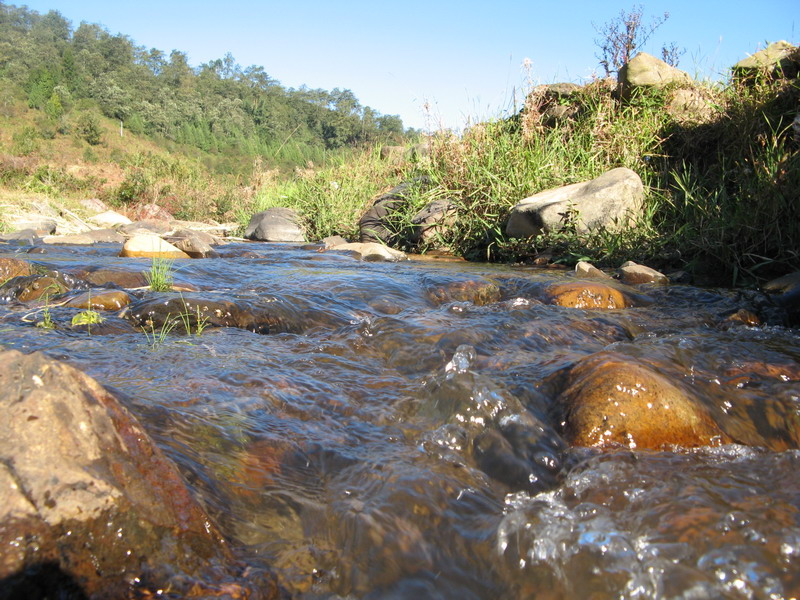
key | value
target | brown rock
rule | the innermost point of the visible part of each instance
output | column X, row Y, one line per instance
column 39, row 286
column 13, row 267
column 614, row 400
column 584, row 294
column 106, row 277
column 83, row 488
column 100, row 300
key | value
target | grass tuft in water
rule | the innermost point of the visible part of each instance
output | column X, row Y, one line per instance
column 160, row 276
column 157, row 336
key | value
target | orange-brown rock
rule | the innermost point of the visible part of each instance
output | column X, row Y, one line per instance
column 611, row 399
column 13, row 267
column 100, row 300
column 41, row 286
column 585, row 294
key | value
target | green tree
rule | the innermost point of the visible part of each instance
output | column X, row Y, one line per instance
column 40, row 87
column 88, row 127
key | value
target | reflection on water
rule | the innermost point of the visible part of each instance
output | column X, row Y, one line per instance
column 393, row 430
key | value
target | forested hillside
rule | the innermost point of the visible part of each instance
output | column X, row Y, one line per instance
column 73, row 75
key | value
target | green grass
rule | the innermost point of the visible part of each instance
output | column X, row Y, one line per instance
column 160, row 276
column 157, row 336
column 330, row 200
column 192, row 318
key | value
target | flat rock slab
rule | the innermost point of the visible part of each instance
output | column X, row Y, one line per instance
column 372, row 251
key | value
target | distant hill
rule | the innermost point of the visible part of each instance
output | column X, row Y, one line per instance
column 75, row 76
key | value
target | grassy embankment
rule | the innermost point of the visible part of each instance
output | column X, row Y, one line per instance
column 721, row 195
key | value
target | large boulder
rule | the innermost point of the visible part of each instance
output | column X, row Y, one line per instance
column 645, row 70
column 779, row 59
column 277, row 224
column 612, row 201
column 88, row 504
column 612, row 400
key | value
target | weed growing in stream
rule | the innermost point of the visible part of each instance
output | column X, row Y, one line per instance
column 157, row 336
column 160, row 276
column 189, row 318
column 47, row 318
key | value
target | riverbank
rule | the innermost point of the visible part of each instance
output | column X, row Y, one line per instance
column 719, row 167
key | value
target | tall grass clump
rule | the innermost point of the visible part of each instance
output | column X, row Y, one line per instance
column 331, row 199
column 721, row 189
column 160, row 277
column 734, row 184
column 494, row 165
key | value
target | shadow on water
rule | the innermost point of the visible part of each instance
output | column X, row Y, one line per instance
column 45, row 581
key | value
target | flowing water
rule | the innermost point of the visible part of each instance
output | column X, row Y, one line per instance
column 377, row 430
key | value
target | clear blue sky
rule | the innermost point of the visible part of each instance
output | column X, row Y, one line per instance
column 464, row 58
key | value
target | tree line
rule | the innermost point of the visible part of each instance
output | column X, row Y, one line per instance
column 72, row 74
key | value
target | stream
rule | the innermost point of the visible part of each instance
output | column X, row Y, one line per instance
column 393, row 430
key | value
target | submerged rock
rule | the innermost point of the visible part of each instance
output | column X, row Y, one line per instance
column 112, row 277
column 586, row 294
column 477, row 291
column 100, row 300
column 611, row 400
column 88, row 499
column 14, row 267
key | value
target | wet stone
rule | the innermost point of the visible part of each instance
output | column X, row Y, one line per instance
column 34, row 287
column 100, row 300
column 584, row 294
column 479, row 292
column 102, row 277
column 612, row 400
column 13, row 267
column 95, row 497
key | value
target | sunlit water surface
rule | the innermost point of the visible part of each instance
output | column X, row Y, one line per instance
column 336, row 443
